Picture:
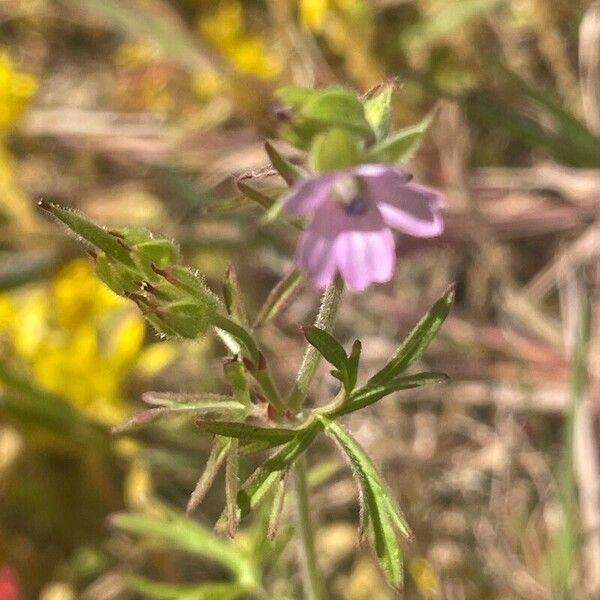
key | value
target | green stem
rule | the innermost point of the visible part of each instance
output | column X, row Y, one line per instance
column 312, row 578
column 310, row 362
column 261, row 373
column 239, row 333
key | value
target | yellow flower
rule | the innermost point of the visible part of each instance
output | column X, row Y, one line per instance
column 313, row 13
column 224, row 29
column 15, row 91
column 78, row 338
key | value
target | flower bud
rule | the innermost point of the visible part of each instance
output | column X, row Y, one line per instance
column 186, row 319
column 117, row 277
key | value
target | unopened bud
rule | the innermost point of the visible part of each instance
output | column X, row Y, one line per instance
column 186, row 319
column 116, row 276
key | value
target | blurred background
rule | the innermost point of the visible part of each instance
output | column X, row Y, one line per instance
column 140, row 113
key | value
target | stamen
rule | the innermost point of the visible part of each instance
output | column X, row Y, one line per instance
column 356, row 207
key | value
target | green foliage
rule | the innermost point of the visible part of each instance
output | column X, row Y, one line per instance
column 174, row 531
column 334, row 353
column 204, row 591
column 339, row 129
column 232, row 295
column 379, row 509
column 378, row 111
column 170, row 405
column 287, row 170
column 333, row 149
column 400, row 145
column 417, row 341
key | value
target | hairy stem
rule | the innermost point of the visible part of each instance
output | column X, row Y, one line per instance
column 310, row 362
column 312, row 578
column 261, row 373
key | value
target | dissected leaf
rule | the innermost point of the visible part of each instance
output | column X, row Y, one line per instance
column 418, row 339
column 381, row 509
column 371, row 393
column 267, row 475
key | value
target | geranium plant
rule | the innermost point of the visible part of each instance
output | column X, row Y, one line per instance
column 347, row 198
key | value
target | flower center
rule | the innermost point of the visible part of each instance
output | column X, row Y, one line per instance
column 356, row 207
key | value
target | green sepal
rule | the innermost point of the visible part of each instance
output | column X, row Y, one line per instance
column 400, row 145
column 333, row 149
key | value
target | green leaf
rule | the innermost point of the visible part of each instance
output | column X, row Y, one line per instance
column 294, row 96
column 268, row 474
column 183, row 400
column 333, row 149
column 202, row 591
column 247, row 433
column 278, row 298
column 336, row 107
column 418, row 339
column 232, row 293
column 400, row 145
column 213, row 464
column 211, row 404
column 353, row 361
column 277, row 506
column 382, row 512
column 331, row 350
column 184, row 534
column 259, row 197
column 235, row 373
column 287, row 170
column 378, row 111
column 231, row 488
column 90, row 232
column 371, row 393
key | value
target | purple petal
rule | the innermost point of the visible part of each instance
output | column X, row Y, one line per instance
column 308, row 194
column 413, row 209
column 360, row 247
column 314, row 254
column 365, row 257
column 383, row 175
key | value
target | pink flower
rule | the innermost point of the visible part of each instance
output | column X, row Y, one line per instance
column 351, row 212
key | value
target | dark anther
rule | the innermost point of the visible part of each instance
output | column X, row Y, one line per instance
column 356, row 207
